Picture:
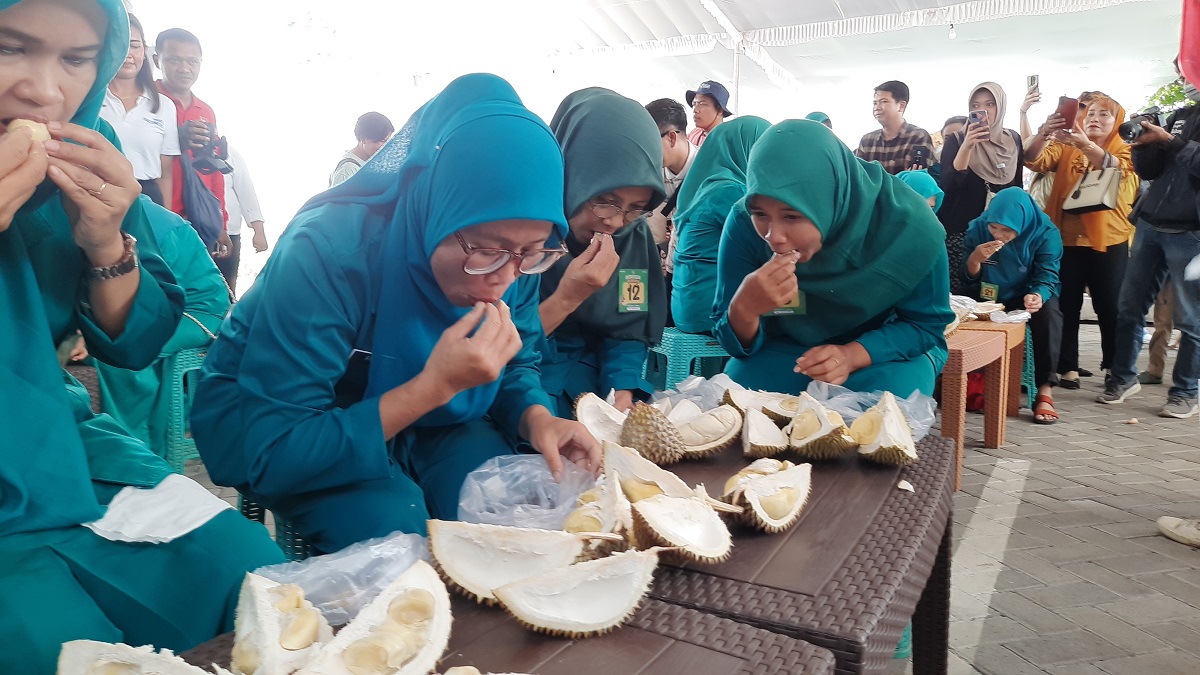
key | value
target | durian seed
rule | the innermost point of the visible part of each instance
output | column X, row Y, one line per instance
column 411, row 606
column 245, row 658
column 637, row 490
column 780, row 504
column 286, row 597
column 582, row 520
column 116, row 668
column 299, row 628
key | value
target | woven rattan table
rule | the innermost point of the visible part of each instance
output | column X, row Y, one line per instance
column 659, row 639
column 1014, row 342
column 864, row 559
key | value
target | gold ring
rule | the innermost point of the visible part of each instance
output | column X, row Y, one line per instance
column 97, row 192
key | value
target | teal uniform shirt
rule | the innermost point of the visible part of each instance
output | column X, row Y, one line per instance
column 1027, row 264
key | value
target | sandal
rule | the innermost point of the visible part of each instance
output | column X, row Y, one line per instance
column 1044, row 416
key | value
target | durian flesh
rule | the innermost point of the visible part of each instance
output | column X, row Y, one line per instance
column 761, row 437
column 89, row 657
column 602, row 420
column 883, row 433
column 818, row 433
column 276, row 629
column 605, row 510
column 711, row 432
column 686, row 523
column 476, row 558
column 773, row 502
column 781, row 411
column 584, row 599
column 749, row 399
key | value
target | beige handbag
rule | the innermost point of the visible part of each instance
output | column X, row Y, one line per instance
column 1096, row 190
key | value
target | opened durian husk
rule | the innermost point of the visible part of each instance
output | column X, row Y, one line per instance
column 90, row 657
column 588, row 598
column 884, row 435
column 761, row 437
column 817, row 432
column 711, row 432
column 686, row 525
column 641, row 478
column 759, row 467
column 772, row 502
column 751, row 399
column 781, row 410
column 276, row 629
column 476, row 558
column 602, row 510
column 602, row 420
column 683, row 412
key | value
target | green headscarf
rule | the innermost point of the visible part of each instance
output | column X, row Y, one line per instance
column 45, row 471
column 719, row 169
column 924, row 185
column 879, row 239
column 610, row 142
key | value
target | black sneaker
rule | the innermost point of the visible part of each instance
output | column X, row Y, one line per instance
column 1115, row 392
column 1084, row 372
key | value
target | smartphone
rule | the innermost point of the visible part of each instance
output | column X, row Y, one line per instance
column 1031, row 82
column 920, row 156
column 979, row 117
column 1069, row 108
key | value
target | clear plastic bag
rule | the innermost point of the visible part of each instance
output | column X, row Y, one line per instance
column 519, row 490
column 704, row 392
column 340, row 584
column 921, row 410
column 1015, row 316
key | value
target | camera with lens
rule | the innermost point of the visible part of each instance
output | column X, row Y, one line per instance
column 211, row 158
column 1133, row 129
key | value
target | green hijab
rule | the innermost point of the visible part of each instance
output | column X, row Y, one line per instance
column 879, row 239
column 610, row 142
column 717, row 178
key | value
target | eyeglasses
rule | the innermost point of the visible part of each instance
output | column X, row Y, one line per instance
column 179, row 61
column 603, row 210
column 487, row 260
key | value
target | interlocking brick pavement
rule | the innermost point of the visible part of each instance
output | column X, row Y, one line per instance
column 1058, row 566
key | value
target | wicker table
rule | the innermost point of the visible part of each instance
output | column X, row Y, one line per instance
column 864, row 559
column 660, row 638
column 969, row 351
column 1014, row 342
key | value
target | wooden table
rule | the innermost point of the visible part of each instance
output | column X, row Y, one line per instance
column 1014, row 342
column 970, row 351
column 864, row 559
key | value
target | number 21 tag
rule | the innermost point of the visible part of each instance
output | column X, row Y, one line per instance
column 632, row 285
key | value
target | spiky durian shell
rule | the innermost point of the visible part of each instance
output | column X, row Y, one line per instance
column 649, row 432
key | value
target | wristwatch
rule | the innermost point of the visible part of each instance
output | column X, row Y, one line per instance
column 127, row 263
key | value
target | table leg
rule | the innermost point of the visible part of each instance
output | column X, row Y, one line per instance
column 931, row 620
column 1016, row 369
column 954, row 416
column 995, row 400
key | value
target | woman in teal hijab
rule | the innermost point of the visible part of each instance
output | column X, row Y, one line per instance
column 923, row 184
column 389, row 347
column 68, row 261
column 830, row 270
column 605, row 303
column 1015, row 250
column 716, row 181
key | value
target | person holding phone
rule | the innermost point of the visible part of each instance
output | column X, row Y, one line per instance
column 977, row 163
column 1071, row 143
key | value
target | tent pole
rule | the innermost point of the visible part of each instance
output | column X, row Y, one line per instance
column 737, row 75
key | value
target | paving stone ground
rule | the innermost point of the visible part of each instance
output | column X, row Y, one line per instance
column 1058, row 566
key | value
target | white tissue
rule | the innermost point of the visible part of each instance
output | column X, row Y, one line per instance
column 163, row 513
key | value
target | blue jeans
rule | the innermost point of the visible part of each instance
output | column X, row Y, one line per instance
column 1155, row 256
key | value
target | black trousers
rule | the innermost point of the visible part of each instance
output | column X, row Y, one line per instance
column 229, row 266
column 150, row 189
column 1046, row 325
column 1101, row 273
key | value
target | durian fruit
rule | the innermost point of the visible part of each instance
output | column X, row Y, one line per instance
column 664, row 405
column 471, row 670
column 782, row 410
column 476, row 558
column 759, row 467
column 605, row 510
column 89, row 657
column 710, row 432
column 654, row 436
column 883, row 433
column 641, row 478
column 761, row 437
column 817, row 432
column 403, row 631
column 683, row 412
column 276, row 629
column 688, row 525
column 602, row 420
column 750, row 399
column 587, row 598
column 773, row 501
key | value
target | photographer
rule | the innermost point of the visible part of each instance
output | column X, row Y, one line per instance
column 1166, row 239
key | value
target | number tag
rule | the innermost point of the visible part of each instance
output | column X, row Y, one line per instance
column 633, row 285
column 989, row 291
column 798, row 305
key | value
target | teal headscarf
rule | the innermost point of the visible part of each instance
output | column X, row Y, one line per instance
column 45, row 480
column 610, row 142
column 1017, row 269
column 924, row 185
column 717, row 178
column 878, row 238
column 473, row 154
column 818, row 116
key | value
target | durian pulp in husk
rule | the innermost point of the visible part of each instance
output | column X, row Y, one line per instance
column 584, row 599
column 750, row 399
column 817, row 432
column 476, row 558
column 781, row 410
column 609, row 512
column 654, row 436
column 89, row 657
column 602, row 421
column 761, row 437
column 276, row 629
column 773, row 502
column 711, row 432
column 759, row 467
column 403, row 631
column 686, row 523
column 639, row 477
column 883, row 433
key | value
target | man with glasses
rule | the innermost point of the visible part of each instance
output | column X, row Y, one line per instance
column 710, row 107
column 178, row 55
column 678, row 154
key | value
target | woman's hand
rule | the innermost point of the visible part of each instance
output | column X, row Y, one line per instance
column 97, row 187
column 623, row 400
column 23, row 165
column 769, row 287
column 986, row 250
column 558, row 439
column 832, row 363
column 975, row 134
column 1031, row 97
column 1054, row 123
column 475, row 349
column 1073, row 137
column 591, row 270
column 1033, row 302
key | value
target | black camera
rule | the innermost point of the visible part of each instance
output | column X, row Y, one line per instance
column 1133, row 129
column 211, row 158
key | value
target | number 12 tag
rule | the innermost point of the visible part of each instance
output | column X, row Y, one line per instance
column 796, row 306
column 632, row 284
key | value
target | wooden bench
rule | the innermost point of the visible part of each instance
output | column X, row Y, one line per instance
column 969, row 351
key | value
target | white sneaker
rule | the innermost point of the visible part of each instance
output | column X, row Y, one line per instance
column 1181, row 530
